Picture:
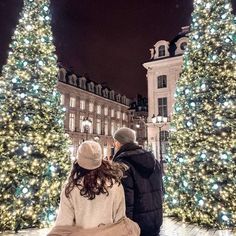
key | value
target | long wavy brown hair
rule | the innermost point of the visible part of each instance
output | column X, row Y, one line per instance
column 94, row 182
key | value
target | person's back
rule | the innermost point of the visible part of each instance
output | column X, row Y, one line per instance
column 143, row 184
column 93, row 194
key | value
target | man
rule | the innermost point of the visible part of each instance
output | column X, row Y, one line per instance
column 142, row 184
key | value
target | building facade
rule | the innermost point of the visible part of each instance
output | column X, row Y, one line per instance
column 92, row 111
column 163, row 71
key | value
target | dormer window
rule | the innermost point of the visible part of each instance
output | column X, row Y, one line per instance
column 161, row 51
column 118, row 97
column 181, row 45
column 82, row 82
column 91, row 87
column 62, row 75
column 98, row 89
column 105, row 93
column 112, row 95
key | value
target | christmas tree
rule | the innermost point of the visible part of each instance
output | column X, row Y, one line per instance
column 33, row 146
column 201, row 183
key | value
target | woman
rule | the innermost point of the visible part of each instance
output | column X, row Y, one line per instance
column 93, row 194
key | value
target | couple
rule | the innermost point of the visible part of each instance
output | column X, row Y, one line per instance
column 97, row 192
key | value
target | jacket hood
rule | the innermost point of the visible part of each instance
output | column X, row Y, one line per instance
column 142, row 160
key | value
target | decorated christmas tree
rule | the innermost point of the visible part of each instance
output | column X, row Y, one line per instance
column 200, row 182
column 33, row 146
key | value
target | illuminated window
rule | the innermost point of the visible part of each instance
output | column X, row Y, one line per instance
column 106, row 127
column 99, row 126
column 99, row 109
column 91, row 106
column 82, row 104
column 72, row 122
column 105, row 111
column 62, row 99
column 118, row 114
column 112, row 113
column 72, row 101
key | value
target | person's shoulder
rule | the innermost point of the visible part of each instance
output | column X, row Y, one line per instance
column 116, row 187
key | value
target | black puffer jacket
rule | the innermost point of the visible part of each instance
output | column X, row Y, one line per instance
column 143, row 188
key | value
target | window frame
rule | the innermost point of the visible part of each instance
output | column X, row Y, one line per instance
column 162, row 103
column 72, row 101
column 161, row 50
column 82, row 104
column 71, row 121
column 162, row 81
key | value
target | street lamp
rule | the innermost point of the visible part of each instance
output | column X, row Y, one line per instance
column 160, row 121
column 87, row 123
column 140, row 120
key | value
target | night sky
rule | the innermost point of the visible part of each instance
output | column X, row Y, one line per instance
column 107, row 40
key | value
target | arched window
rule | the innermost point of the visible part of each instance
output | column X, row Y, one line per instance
column 162, row 81
column 161, row 51
column 183, row 46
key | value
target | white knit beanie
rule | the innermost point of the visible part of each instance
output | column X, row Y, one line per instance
column 89, row 155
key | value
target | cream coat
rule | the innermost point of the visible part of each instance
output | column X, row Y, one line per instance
column 78, row 210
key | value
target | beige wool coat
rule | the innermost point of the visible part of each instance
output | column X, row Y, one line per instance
column 80, row 211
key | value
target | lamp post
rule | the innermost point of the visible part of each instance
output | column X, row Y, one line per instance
column 142, row 119
column 86, row 124
column 160, row 121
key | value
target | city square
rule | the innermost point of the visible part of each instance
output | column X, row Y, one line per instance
column 77, row 73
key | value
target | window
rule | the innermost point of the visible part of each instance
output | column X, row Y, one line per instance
column 81, row 123
column 183, row 45
column 91, row 105
column 91, row 126
column 91, row 87
column 106, row 111
column 62, row 99
column 112, row 113
column 164, row 135
column 98, row 89
column 99, row 127
column 72, row 101
column 162, row 81
column 82, row 104
column 162, row 106
column 118, row 126
column 112, row 95
column 124, row 116
column 84, row 83
column 113, row 127
column 72, row 122
column 106, row 127
column 164, row 141
column 118, row 114
column 99, row 109
column 161, row 51
column 118, row 97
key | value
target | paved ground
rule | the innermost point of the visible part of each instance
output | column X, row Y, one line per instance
column 170, row 227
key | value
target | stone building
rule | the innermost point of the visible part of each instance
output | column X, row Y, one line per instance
column 163, row 71
column 92, row 110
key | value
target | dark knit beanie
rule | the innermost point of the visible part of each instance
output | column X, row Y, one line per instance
column 125, row 135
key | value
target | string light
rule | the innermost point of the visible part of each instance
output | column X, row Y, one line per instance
column 32, row 137
column 200, row 177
